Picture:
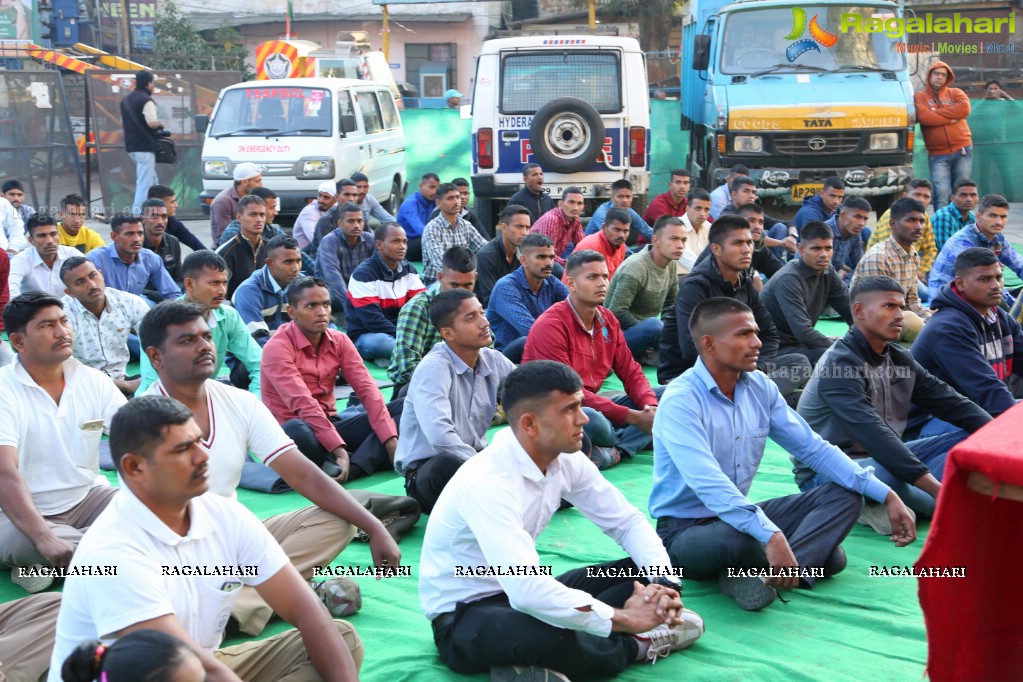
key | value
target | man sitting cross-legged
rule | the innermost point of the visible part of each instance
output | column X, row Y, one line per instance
column 452, row 397
column 232, row 423
column 302, row 363
column 55, row 409
column 709, row 437
column 159, row 530
column 584, row 335
column 491, row 513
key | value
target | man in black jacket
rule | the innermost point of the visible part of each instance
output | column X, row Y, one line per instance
column 763, row 262
column 860, row 396
column 726, row 273
column 140, row 123
column 532, row 195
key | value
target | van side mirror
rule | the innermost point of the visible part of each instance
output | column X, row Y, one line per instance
column 465, row 112
column 701, row 52
column 202, row 122
column 347, row 124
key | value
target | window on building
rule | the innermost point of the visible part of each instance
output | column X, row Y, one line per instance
column 416, row 55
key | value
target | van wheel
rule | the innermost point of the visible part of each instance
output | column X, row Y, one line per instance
column 566, row 135
column 394, row 199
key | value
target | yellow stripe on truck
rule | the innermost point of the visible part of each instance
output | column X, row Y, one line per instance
column 816, row 117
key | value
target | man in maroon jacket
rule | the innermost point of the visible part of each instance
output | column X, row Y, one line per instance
column 587, row 337
column 673, row 202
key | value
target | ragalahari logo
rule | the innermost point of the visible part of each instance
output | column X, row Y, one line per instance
column 818, row 36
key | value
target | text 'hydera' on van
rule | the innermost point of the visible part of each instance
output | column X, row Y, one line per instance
column 302, row 131
column 577, row 105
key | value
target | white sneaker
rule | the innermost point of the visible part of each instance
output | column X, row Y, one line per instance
column 31, row 583
column 875, row 515
column 664, row 640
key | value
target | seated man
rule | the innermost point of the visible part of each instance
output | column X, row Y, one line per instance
column 245, row 249
column 797, row 294
column 955, row 216
column 566, row 332
column 697, row 228
column 305, row 223
column 972, row 345
column 224, row 208
column 37, row 268
column 763, row 264
column 500, row 256
column 823, row 205
column 156, row 239
column 532, row 196
column 744, row 191
column 919, row 189
column 348, row 193
column 848, row 225
column 416, row 335
column 673, row 202
column 234, row 423
column 860, row 398
column 206, row 284
column 73, row 212
column 710, row 433
column 448, row 229
column 270, row 230
column 452, row 397
column 725, row 273
column 992, row 219
column 102, row 321
column 562, row 225
column 369, row 204
column 343, row 250
column 466, row 213
column 490, row 514
column 897, row 259
column 55, row 411
column 646, row 285
column 262, row 299
column 162, row 524
column 301, row 365
column 621, row 197
column 174, row 224
column 521, row 297
column 610, row 240
column 378, row 289
column 127, row 266
column 415, row 211
column 721, row 196
column 14, row 191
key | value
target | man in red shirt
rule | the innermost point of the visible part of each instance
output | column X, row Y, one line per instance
column 610, row 240
column 586, row 336
column 563, row 226
column 673, row 202
column 301, row 364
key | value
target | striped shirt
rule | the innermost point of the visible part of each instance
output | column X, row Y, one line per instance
column 376, row 295
column 563, row 232
column 891, row 260
column 926, row 246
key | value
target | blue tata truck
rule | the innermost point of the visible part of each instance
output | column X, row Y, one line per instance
column 798, row 92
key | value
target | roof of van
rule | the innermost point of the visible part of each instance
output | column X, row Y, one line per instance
column 329, row 83
column 570, row 42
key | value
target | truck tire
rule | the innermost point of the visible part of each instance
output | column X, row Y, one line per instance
column 488, row 211
column 566, row 135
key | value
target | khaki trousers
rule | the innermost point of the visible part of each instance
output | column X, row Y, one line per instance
column 27, row 630
column 911, row 326
column 17, row 549
column 310, row 537
column 283, row 657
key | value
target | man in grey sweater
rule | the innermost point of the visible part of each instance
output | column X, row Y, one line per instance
column 798, row 293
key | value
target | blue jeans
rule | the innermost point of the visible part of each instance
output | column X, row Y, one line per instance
column 946, row 169
column 375, row 345
column 145, row 177
column 932, row 451
column 646, row 334
column 628, row 439
column 779, row 231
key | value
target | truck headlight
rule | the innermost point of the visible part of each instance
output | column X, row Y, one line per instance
column 749, row 144
column 884, row 141
column 216, row 169
column 317, row 168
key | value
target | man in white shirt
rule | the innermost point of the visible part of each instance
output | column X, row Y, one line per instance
column 233, row 422
column 305, row 223
column 102, row 320
column 12, row 228
column 50, row 428
column 163, row 536
column 37, row 268
column 697, row 229
column 490, row 514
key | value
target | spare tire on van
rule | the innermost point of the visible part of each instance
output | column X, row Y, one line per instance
column 566, row 135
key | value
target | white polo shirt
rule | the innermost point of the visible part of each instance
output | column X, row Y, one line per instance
column 58, row 450
column 29, row 272
column 127, row 535
column 239, row 424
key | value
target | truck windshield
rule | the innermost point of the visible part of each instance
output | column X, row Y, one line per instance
column 273, row 110
column 778, row 40
column 531, row 80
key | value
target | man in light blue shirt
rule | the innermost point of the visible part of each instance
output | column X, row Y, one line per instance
column 126, row 266
column 709, row 437
column 621, row 197
column 452, row 398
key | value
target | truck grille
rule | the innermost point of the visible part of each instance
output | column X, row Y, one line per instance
column 809, row 143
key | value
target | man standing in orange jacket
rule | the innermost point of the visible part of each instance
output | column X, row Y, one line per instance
column 942, row 111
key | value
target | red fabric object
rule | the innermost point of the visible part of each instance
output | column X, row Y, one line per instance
column 975, row 623
column 563, row 232
column 598, row 242
column 662, row 204
column 5, row 291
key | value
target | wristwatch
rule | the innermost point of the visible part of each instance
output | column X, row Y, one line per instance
column 665, row 581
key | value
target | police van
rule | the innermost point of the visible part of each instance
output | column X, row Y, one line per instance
column 302, row 131
column 577, row 105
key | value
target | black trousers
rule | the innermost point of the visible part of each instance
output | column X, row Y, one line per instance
column 490, row 633
column 415, row 249
column 365, row 451
column 425, row 483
